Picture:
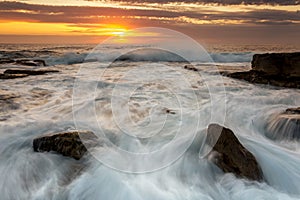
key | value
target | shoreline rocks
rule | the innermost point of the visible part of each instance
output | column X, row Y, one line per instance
column 230, row 155
column 66, row 143
column 278, row 69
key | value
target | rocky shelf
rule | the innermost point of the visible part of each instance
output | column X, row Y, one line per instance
column 278, row 69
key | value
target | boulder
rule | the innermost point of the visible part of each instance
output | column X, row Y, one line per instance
column 284, row 64
column 284, row 125
column 230, row 155
column 66, row 143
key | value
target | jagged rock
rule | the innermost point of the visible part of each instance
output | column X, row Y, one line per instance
column 278, row 69
column 230, row 155
column 28, row 71
column 285, row 125
column 66, row 143
column 284, row 64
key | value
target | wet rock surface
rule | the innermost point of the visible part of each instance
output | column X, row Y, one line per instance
column 66, row 143
column 278, row 69
column 230, row 155
column 285, row 125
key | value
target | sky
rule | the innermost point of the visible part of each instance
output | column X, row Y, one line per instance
column 209, row 21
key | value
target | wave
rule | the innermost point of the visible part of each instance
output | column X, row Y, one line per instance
column 149, row 56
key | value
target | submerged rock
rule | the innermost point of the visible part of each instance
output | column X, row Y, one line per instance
column 285, row 125
column 8, row 102
column 66, row 143
column 230, row 155
column 278, row 69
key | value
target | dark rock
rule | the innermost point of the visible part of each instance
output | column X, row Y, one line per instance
column 285, row 125
column 6, row 61
column 168, row 111
column 66, row 143
column 263, row 78
column 29, row 72
column 284, row 64
column 34, row 63
column 231, row 156
column 191, row 68
column 12, row 76
column 295, row 111
column 26, row 62
column 278, row 69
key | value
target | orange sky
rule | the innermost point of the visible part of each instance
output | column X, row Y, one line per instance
column 87, row 20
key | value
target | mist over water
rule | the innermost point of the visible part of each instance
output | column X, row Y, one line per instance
column 43, row 104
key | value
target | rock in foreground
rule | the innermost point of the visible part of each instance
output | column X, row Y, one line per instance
column 278, row 69
column 65, row 143
column 230, row 155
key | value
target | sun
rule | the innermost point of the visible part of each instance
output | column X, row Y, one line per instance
column 119, row 33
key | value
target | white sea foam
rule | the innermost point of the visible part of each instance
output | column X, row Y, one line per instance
column 46, row 107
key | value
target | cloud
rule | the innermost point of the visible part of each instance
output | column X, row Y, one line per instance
column 96, row 15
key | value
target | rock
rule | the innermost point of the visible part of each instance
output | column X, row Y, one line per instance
column 263, row 78
column 26, row 62
column 285, row 125
column 230, row 155
column 283, row 64
column 278, row 69
column 66, row 143
column 295, row 111
column 190, row 67
column 6, row 61
column 28, row 71
column 12, row 76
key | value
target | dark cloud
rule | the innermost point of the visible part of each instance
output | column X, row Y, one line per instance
column 83, row 15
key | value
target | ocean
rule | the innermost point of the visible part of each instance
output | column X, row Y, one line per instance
column 121, row 93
